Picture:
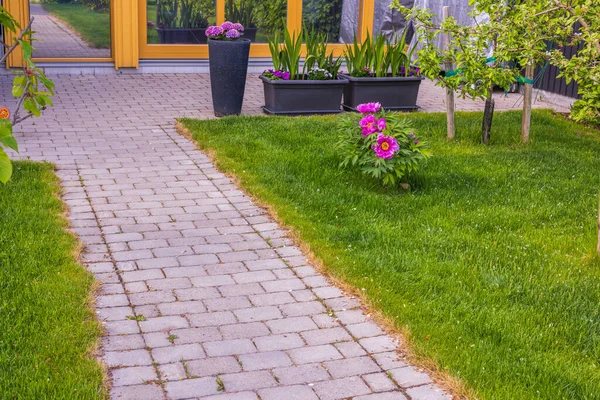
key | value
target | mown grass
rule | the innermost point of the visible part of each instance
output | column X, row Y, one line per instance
column 47, row 328
column 92, row 26
column 487, row 264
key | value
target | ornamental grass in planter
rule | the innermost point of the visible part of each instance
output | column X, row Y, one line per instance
column 381, row 71
column 181, row 21
column 316, row 88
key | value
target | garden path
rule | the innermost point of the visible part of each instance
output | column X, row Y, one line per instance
column 54, row 39
column 217, row 287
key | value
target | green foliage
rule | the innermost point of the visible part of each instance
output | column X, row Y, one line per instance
column 31, row 88
column 378, row 57
column 184, row 14
column 519, row 32
column 487, row 264
column 48, row 326
column 323, row 16
column 241, row 11
column 270, row 16
column 357, row 149
column 319, row 62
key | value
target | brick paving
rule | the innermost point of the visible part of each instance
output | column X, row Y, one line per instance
column 54, row 39
column 203, row 295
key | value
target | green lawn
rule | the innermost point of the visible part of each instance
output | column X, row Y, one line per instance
column 47, row 327
column 92, row 26
column 487, row 265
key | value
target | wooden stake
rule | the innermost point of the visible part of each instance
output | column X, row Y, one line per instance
column 598, row 227
column 488, row 116
column 450, row 106
column 527, row 102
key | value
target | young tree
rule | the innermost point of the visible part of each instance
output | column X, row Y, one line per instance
column 519, row 32
column 31, row 88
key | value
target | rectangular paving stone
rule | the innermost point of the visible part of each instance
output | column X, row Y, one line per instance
column 378, row 344
column 283, row 285
column 227, row 303
column 288, row 393
column 226, row 268
column 300, row 309
column 341, row 388
column 172, row 372
column 409, row 376
column 185, row 272
column 351, row 366
column 182, row 307
column 212, row 319
column 312, row 354
column 428, row 392
column 379, row 382
column 112, row 300
column 279, row 342
column 133, row 376
column 196, row 335
column 258, row 265
column 244, row 331
column 229, row 347
column 365, row 329
column 189, row 388
column 128, row 358
column 241, row 289
column 151, row 298
column 308, row 373
column 258, row 314
column 326, row 336
column 248, row 381
column 123, row 342
column 350, row 349
column 254, row 276
column 271, row 299
column 213, row 366
column 214, row 280
column 146, row 392
column 169, row 283
column 170, row 354
column 264, row 360
column 197, row 293
column 289, row 325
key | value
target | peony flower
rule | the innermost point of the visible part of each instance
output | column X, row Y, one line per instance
column 381, row 124
column 368, row 125
column 238, row 27
column 227, row 25
column 368, row 108
column 214, row 31
column 386, row 147
column 232, row 34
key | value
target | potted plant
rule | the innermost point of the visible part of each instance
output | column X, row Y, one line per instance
column 228, row 62
column 180, row 21
column 381, row 71
column 314, row 89
column 243, row 12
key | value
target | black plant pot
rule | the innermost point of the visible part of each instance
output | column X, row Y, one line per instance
column 394, row 93
column 182, row 35
column 228, row 62
column 250, row 34
column 296, row 97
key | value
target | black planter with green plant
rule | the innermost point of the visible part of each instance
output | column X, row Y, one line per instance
column 316, row 88
column 182, row 21
column 380, row 71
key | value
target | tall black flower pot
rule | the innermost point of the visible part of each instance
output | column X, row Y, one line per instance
column 228, row 62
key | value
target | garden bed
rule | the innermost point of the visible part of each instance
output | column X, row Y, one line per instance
column 48, row 327
column 487, row 265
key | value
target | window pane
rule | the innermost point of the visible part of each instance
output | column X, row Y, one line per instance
column 338, row 19
column 390, row 22
column 71, row 29
column 261, row 18
column 179, row 21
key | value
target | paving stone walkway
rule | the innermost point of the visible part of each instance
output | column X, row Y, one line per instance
column 226, row 306
column 54, row 39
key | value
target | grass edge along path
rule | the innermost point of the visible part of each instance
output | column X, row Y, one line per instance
column 49, row 333
column 490, row 270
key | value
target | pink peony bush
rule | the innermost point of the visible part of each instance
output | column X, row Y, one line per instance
column 382, row 144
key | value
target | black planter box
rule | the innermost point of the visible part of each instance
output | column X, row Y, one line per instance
column 394, row 93
column 296, row 97
column 182, row 36
column 250, row 34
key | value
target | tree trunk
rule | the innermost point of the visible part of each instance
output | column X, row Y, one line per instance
column 449, row 92
column 488, row 116
column 527, row 102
